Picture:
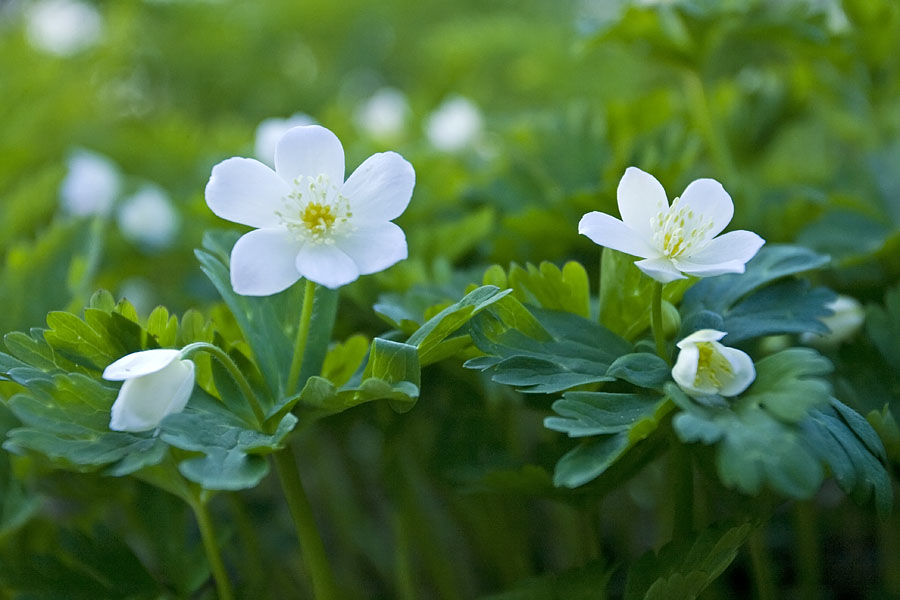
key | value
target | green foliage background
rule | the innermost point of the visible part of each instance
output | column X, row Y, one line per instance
column 793, row 105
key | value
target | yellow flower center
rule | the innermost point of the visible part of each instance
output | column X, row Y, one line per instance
column 678, row 231
column 315, row 211
column 712, row 367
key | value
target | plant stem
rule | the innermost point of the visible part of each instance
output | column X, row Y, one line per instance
column 213, row 556
column 682, row 486
column 302, row 335
column 656, row 323
column 715, row 142
column 762, row 567
column 311, row 546
column 233, row 370
column 807, row 550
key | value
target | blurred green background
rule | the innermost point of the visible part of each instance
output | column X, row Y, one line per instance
column 519, row 117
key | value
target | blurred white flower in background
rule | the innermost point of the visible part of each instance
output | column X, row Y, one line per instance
column 270, row 131
column 705, row 367
column 847, row 318
column 148, row 218
column 383, row 115
column 311, row 223
column 157, row 383
column 454, row 125
column 63, row 27
column 91, row 185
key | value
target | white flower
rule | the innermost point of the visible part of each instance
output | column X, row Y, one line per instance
column 270, row 131
column 148, row 218
column 454, row 125
column 383, row 116
column 705, row 367
column 91, row 185
column 63, row 27
column 157, row 383
column 311, row 223
column 847, row 318
column 677, row 239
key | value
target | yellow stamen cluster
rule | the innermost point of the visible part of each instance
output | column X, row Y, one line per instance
column 315, row 210
column 677, row 230
column 711, row 367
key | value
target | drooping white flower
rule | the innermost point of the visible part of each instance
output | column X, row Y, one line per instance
column 383, row 116
column 846, row 319
column 706, row 367
column 63, row 27
column 455, row 125
column 311, row 223
column 157, row 383
column 673, row 240
column 148, row 218
column 270, row 131
column 91, row 185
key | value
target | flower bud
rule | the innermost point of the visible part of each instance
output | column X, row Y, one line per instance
column 157, row 383
column 847, row 318
column 671, row 319
column 705, row 367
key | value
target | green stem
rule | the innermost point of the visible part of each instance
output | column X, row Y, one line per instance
column 213, row 556
column 762, row 566
column 233, row 370
column 807, row 550
column 656, row 323
column 681, row 472
column 302, row 335
column 715, row 142
column 311, row 546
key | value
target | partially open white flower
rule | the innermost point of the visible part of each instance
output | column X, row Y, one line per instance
column 846, row 319
column 705, row 367
column 91, row 185
column 311, row 223
column 677, row 239
column 157, row 383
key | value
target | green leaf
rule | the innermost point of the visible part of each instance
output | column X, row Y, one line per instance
column 549, row 287
column 232, row 453
column 582, row 583
column 578, row 352
column 789, row 383
column 683, row 568
column 625, row 294
column 595, row 413
column 883, row 326
column 741, row 304
column 641, row 369
column 343, row 359
column 430, row 337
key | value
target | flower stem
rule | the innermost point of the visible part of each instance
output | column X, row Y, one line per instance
column 213, row 556
column 312, row 548
column 302, row 335
column 233, row 370
column 762, row 567
column 681, row 472
column 808, row 558
column 656, row 323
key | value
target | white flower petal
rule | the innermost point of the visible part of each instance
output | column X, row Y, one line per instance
column 326, row 264
column 743, row 371
column 608, row 231
column 727, row 253
column 707, row 197
column 376, row 248
column 685, row 369
column 641, row 197
column 263, row 262
column 246, row 191
column 380, row 188
column 310, row 151
column 138, row 364
column 660, row 269
column 701, row 335
column 144, row 401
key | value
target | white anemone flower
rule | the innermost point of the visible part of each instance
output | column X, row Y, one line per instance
column 455, row 125
column 383, row 116
column 706, row 367
column 63, row 27
column 673, row 240
column 157, row 383
column 311, row 223
column 91, row 184
column 148, row 218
